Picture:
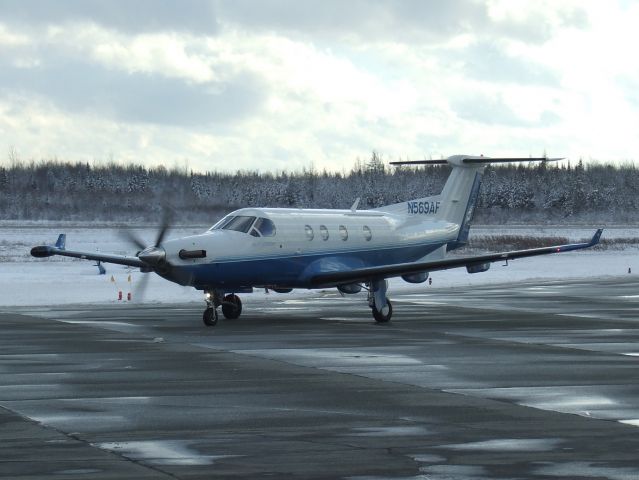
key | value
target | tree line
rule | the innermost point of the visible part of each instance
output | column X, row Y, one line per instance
column 521, row 193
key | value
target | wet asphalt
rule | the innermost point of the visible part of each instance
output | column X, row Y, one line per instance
column 518, row 381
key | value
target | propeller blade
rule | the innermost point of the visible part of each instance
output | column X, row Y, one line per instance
column 140, row 289
column 166, row 225
column 132, row 238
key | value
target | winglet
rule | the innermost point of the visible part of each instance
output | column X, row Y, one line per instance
column 61, row 241
column 596, row 237
column 355, row 205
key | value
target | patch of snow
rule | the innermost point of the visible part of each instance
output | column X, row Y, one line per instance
column 27, row 281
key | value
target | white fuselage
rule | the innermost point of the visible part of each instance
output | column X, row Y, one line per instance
column 303, row 242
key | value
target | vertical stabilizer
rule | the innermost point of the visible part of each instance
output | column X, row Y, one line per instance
column 457, row 202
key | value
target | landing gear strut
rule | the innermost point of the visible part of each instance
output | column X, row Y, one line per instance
column 231, row 307
column 379, row 303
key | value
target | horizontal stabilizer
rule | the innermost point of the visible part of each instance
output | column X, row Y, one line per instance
column 509, row 160
column 469, row 160
column 421, row 162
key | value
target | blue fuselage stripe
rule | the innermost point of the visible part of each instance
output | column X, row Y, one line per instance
column 292, row 270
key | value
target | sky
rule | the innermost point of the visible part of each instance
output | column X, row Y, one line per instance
column 275, row 85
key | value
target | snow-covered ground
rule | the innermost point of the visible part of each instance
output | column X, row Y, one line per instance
column 26, row 281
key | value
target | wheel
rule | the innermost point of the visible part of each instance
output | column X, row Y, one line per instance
column 210, row 317
column 231, row 307
column 386, row 313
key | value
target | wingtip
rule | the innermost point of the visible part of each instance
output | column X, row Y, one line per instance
column 597, row 236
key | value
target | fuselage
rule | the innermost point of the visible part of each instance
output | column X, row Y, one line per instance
column 274, row 247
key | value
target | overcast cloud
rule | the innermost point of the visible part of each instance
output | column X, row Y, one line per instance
column 283, row 84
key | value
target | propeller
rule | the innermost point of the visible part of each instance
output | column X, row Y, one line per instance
column 132, row 238
column 140, row 288
column 155, row 256
column 152, row 255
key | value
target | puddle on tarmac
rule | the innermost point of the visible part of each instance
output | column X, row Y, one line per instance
column 428, row 458
column 77, row 471
column 161, row 452
column 101, row 322
column 347, row 319
column 508, row 445
column 326, row 357
column 579, row 400
column 389, row 431
column 586, row 469
column 457, row 472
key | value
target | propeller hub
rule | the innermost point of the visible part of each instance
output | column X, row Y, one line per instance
column 153, row 256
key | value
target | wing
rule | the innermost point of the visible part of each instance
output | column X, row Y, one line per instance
column 48, row 251
column 365, row 274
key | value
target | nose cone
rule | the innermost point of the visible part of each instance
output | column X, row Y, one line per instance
column 152, row 256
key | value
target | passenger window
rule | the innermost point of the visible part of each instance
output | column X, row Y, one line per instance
column 239, row 224
column 343, row 233
column 324, row 232
column 265, row 227
column 367, row 233
column 309, row 232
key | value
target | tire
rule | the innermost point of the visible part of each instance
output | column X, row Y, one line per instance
column 231, row 307
column 210, row 317
column 380, row 317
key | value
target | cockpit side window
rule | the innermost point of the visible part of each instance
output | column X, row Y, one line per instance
column 239, row 223
column 265, row 227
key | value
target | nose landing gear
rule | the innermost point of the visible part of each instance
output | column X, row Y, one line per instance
column 231, row 307
column 210, row 316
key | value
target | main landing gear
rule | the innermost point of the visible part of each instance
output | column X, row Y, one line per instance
column 379, row 303
column 231, row 307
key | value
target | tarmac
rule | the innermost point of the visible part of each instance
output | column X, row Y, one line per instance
column 529, row 380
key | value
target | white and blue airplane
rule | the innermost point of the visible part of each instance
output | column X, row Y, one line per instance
column 286, row 248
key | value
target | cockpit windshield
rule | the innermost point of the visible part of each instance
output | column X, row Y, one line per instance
column 219, row 225
column 239, row 223
column 262, row 227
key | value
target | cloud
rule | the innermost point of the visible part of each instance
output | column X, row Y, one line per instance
column 489, row 62
column 630, row 89
column 77, row 86
column 366, row 19
column 494, row 110
column 372, row 21
column 282, row 83
column 196, row 16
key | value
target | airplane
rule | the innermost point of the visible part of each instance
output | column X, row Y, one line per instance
column 282, row 249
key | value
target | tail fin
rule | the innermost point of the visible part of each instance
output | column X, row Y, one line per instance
column 458, row 199
column 62, row 238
